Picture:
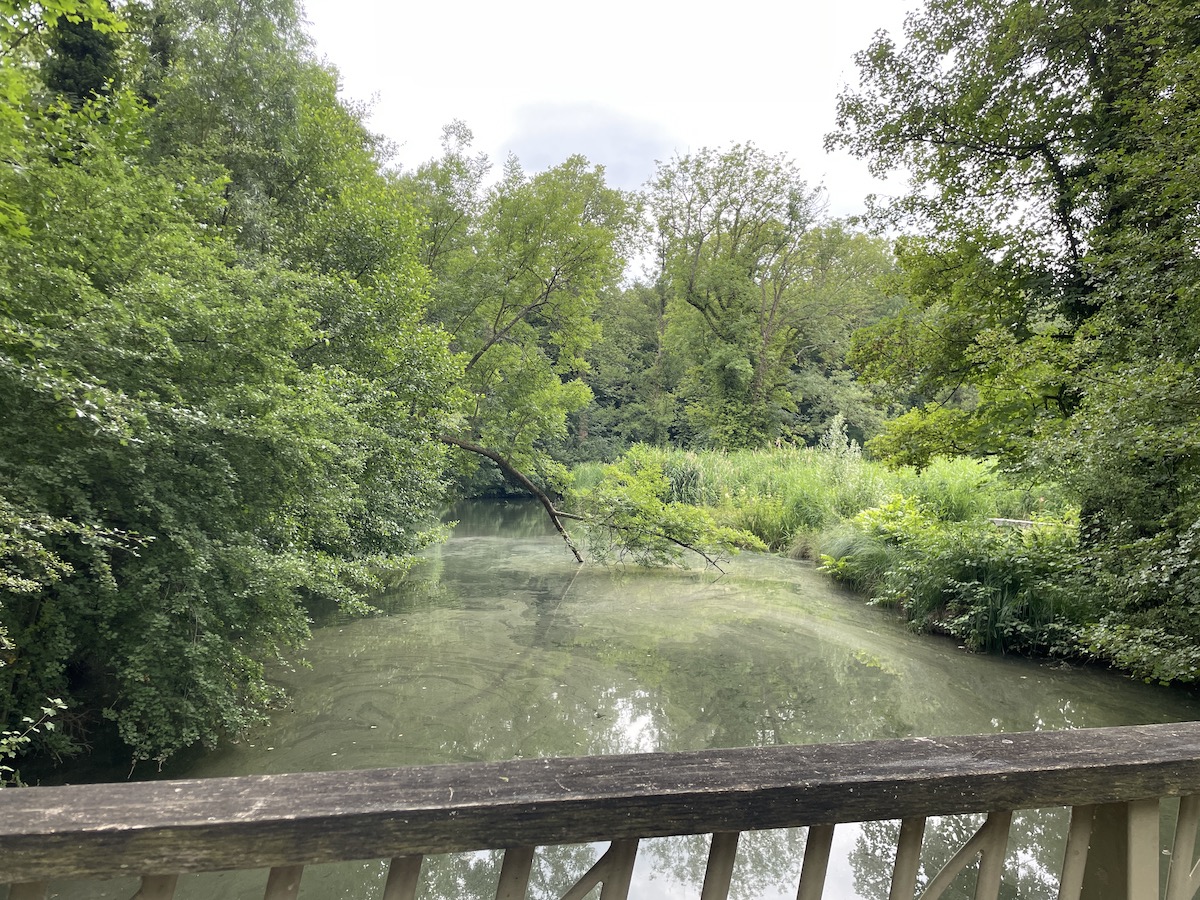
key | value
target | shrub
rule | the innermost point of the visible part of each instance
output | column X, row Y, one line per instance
column 997, row 589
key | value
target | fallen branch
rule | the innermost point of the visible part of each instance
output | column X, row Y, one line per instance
column 514, row 476
column 710, row 561
column 518, row 478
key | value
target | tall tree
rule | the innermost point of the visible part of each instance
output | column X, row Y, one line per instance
column 1053, row 320
column 520, row 270
column 208, row 429
column 763, row 293
column 733, row 226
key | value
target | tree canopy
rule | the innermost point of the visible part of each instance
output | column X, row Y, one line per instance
column 219, row 390
column 1052, row 317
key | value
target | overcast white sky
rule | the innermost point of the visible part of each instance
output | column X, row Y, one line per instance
column 625, row 82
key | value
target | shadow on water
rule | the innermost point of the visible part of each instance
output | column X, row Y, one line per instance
column 498, row 646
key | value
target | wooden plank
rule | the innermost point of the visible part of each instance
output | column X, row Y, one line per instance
column 987, row 845
column 514, row 873
column 1144, row 849
column 404, row 876
column 1184, row 879
column 157, row 887
column 283, row 883
column 280, row 820
column 1105, row 870
column 908, row 859
column 991, row 863
column 1079, row 836
column 612, row 872
column 620, row 873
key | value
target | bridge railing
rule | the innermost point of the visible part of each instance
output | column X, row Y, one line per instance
column 1112, row 780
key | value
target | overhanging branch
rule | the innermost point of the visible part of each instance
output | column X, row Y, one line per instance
column 513, row 475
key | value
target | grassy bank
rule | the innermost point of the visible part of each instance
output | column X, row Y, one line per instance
column 924, row 541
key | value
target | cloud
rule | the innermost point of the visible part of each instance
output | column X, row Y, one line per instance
column 547, row 133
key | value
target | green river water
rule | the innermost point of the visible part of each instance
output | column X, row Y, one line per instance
column 498, row 646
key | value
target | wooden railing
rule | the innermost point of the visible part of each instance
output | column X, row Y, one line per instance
column 1112, row 779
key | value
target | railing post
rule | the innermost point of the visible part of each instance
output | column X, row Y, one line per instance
column 157, row 887
column 613, row 870
column 1144, row 849
column 718, row 875
column 908, row 859
column 404, row 875
column 616, row 883
column 1122, row 861
column 988, row 843
column 816, row 862
column 1184, row 879
column 514, row 873
column 283, row 883
column 1075, row 856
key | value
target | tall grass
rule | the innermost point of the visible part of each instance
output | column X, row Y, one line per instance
column 797, row 498
column 919, row 540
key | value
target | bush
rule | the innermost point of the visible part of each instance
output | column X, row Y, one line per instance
column 996, row 589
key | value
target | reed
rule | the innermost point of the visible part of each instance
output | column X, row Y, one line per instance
column 922, row 541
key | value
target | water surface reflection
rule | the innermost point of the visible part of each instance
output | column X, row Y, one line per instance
column 497, row 646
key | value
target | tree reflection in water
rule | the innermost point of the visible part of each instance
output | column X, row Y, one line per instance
column 1035, row 849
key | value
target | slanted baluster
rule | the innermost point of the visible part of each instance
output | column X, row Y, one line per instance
column 1079, row 838
column 719, row 874
column 816, row 862
column 614, row 870
column 990, row 840
column 1184, row 879
column 404, row 874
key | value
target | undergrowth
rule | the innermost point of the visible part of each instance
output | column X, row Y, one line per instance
column 957, row 547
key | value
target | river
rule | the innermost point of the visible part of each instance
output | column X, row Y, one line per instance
column 498, row 646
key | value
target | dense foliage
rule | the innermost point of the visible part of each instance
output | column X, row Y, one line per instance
column 242, row 362
column 216, row 393
column 1052, row 274
column 520, row 268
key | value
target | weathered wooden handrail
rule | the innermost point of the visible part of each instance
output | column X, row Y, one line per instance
column 284, row 821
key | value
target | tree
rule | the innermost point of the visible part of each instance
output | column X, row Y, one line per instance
column 733, row 228
column 633, row 376
column 763, row 294
column 25, row 30
column 520, row 269
column 208, row 430
column 1053, row 319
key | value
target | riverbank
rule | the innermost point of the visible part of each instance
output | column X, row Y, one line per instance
column 959, row 547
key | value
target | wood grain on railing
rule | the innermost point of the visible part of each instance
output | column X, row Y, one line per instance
column 161, row 829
